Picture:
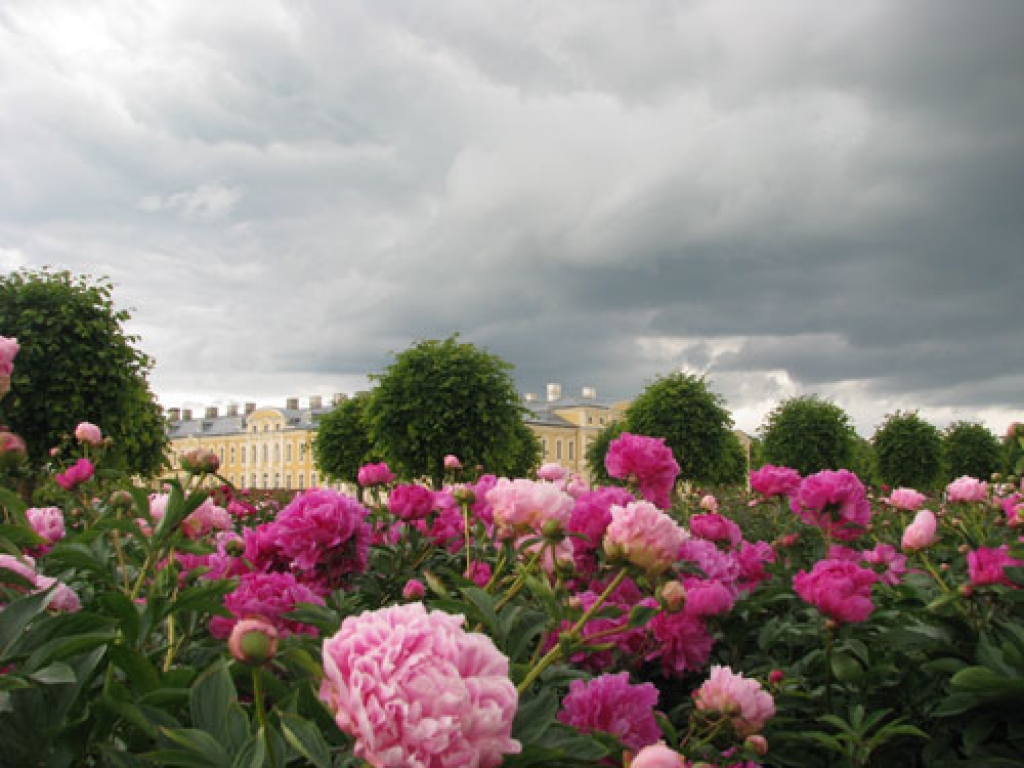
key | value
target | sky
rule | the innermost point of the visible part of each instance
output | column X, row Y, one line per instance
column 787, row 198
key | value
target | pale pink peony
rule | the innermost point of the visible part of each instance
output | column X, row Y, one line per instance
column 8, row 351
column 645, row 536
column 907, row 499
column 207, row 517
column 523, row 506
column 79, row 472
column 648, row 462
column 374, row 474
column 416, row 690
column 610, row 704
column 62, row 597
column 835, row 501
column 920, row 533
column 48, row 522
column 88, row 433
column 748, row 706
column 552, row 472
column 986, row 565
column 838, row 588
column 770, row 481
column 658, row 756
column 967, row 489
column 451, row 461
column 709, row 503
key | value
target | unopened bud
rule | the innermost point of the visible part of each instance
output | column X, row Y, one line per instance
column 552, row 531
column 757, row 744
column 12, row 449
column 673, row 596
column 464, row 495
column 966, row 590
column 200, row 461
column 253, row 641
column 776, row 676
column 122, row 500
column 235, row 548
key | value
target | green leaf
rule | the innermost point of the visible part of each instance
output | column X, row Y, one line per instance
column 535, row 716
column 212, row 694
column 200, row 744
column 54, row 674
column 17, row 616
column 484, row 604
column 305, row 738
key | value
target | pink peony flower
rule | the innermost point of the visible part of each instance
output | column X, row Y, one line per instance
column 920, row 534
column 610, row 704
column 8, row 351
column 1013, row 506
column 62, row 598
column 524, row 506
column 205, row 518
column 88, row 433
column 269, row 595
column 590, row 517
column 709, row 503
column 682, row 642
column 838, row 588
column 748, row 706
column 645, row 536
column 968, row 489
column 12, row 448
column 658, row 756
column 835, row 501
column 646, row 461
column 986, row 565
column 452, row 462
column 893, row 565
column 374, row 474
column 415, row 690
column 78, row 473
column 714, row 527
column 770, row 481
column 47, row 522
column 479, row 573
column 707, row 597
column 906, row 498
column 552, row 472
column 411, row 502
column 413, row 589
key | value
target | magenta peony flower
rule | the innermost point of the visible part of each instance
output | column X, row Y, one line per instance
column 374, row 474
column 682, row 642
column 967, row 488
column 906, row 498
column 270, row 595
column 590, row 517
column 658, row 756
column 610, row 704
column 838, row 588
column 415, row 690
column 920, row 534
column 748, row 706
column 8, row 351
column 78, row 473
column 552, row 472
column 645, row 536
column 524, row 506
column 835, row 501
column 770, row 481
column 1013, row 506
column 751, row 559
column 413, row 589
column 893, row 564
column 707, row 597
column 714, row 527
column 985, row 566
column 88, row 433
column 411, row 502
column 479, row 573
column 648, row 462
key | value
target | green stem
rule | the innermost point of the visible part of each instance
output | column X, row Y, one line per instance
column 556, row 652
column 828, row 669
column 465, row 522
column 261, row 713
column 520, row 578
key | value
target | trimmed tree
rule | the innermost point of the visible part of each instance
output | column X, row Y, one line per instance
column 809, row 435
column 695, row 424
column 598, row 449
column 970, row 449
column 908, row 451
column 441, row 397
column 77, row 364
column 342, row 443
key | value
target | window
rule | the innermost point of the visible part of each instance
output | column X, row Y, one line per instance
column 544, row 446
column 277, row 427
column 312, row 479
column 302, row 451
column 288, row 452
column 590, row 419
column 288, row 481
column 277, row 454
column 266, row 427
column 253, row 483
column 302, row 482
column 558, row 450
column 277, row 480
column 601, row 420
column 254, row 454
column 222, row 455
column 232, row 456
column 572, row 450
column 265, row 452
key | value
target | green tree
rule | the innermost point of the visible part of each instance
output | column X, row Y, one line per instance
column 76, row 364
column 598, row 449
column 342, row 443
column 692, row 419
column 908, row 451
column 970, row 449
column 809, row 435
column 441, row 397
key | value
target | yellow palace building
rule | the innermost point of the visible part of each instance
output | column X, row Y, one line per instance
column 270, row 447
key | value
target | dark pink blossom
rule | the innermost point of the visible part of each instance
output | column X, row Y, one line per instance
column 986, row 565
column 270, row 595
column 770, row 481
column 835, row 501
column 79, row 472
column 479, row 573
column 374, row 474
column 648, row 462
column 682, row 643
column 838, row 588
column 611, row 704
column 707, row 597
column 411, row 502
column 590, row 517
column 715, row 527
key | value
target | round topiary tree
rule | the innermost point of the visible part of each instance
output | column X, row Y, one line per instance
column 809, row 435
column 1013, row 449
column 970, row 449
column 908, row 451
column 342, row 443
column 694, row 422
column 598, row 449
column 76, row 364
column 441, row 397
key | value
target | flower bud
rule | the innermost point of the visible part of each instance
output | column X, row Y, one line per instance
column 88, row 433
column 552, row 531
column 122, row 500
column 452, row 462
column 200, row 461
column 253, row 641
column 464, row 495
column 672, row 596
column 235, row 548
column 776, row 676
column 12, row 449
column 757, row 744
column 413, row 589
column 966, row 590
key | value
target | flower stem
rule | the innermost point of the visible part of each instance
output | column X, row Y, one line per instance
column 261, row 713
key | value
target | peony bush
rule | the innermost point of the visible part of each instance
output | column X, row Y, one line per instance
column 494, row 621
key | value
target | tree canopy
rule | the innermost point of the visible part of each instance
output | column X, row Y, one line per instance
column 970, row 449
column 76, row 364
column 695, row 424
column 449, row 397
column 908, row 451
column 342, row 443
column 808, row 435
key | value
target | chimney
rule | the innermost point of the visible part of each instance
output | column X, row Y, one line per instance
column 292, row 404
column 554, row 392
column 211, row 412
column 174, row 414
column 530, row 397
column 589, row 393
column 249, row 408
column 233, row 409
column 315, row 401
column 186, row 414
column 339, row 398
